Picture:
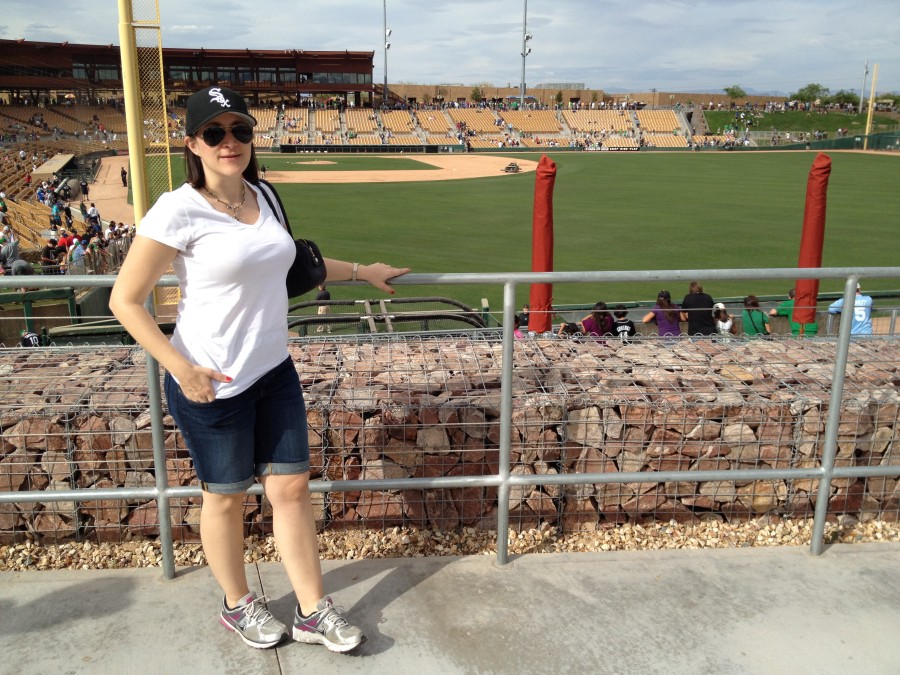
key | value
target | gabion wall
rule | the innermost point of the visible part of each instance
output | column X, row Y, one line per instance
column 427, row 408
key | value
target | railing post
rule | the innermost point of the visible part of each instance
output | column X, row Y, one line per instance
column 163, row 508
column 834, row 416
column 506, row 373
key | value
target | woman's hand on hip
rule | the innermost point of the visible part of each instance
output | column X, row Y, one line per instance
column 196, row 383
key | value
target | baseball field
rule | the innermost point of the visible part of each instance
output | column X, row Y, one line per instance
column 612, row 211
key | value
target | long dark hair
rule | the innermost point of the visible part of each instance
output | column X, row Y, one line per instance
column 196, row 177
column 664, row 304
column 601, row 317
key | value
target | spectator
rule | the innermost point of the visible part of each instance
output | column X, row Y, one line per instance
column 862, row 312
column 29, row 339
column 753, row 319
column 93, row 215
column 49, row 257
column 75, row 258
column 230, row 384
column 517, row 330
column 9, row 251
column 665, row 314
column 623, row 326
column 724, row 323
column 323, row 295
column 598, row 323
column 569, row 330
column 786, row 309
column 696, row 309
column 523, row 317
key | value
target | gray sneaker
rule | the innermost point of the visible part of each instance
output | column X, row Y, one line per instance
column 253, row 622
column 327, row 627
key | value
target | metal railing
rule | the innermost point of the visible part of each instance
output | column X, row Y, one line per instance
column 504, row 480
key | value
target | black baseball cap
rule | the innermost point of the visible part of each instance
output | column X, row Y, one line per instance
column 206, row 104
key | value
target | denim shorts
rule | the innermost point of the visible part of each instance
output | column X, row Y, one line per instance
column 260, row 431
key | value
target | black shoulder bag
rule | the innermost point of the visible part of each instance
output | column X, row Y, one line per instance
column 308, row 269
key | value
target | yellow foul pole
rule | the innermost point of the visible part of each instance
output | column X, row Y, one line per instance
column 871, row 108
column 133, row 114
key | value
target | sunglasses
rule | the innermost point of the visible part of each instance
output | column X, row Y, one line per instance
column 212, row 136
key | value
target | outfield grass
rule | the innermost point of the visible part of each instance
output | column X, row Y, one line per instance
column 613, row 211
column 332, row 162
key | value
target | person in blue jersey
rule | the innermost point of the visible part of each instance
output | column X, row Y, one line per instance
column 862, row 312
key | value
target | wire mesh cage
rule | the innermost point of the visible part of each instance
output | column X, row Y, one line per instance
column 430, row 408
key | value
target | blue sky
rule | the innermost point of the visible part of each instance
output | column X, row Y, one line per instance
column 617, row 45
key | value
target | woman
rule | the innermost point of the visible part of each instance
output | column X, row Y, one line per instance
column 697, row 310
column 753, row 319
column 230, row 384
column 598, row 323
column 666, row 315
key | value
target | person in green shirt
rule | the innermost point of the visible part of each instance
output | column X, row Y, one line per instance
column 754, row 321
column 786, row 309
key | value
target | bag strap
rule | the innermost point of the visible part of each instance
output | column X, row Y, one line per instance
column 753, row 321
column 265, row 187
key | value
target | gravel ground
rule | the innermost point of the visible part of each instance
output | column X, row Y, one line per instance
column 409, row 543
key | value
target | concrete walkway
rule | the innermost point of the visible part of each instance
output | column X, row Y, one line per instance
column 772, row 610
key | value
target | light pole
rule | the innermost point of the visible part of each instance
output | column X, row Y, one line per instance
column 862, row 92
column 387, row 45
column 526, row 50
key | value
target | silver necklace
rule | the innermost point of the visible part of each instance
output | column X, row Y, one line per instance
column 234, row 209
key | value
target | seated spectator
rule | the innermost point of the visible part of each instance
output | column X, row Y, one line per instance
column 754, row 320
column 665, row 314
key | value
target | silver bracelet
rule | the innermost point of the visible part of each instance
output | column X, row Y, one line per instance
column 355, row 271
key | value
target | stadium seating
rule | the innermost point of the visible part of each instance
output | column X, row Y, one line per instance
column 619, row 142
column 479, row 120
column 441, row 140
column 398, row 121
column 295, row 120
column 113, row 121
column 486, row 141
column 433, row 121
column 266, row 118
column 658, row 121
column 589, row 121
column 361, row 121
column 364, row 139
column 404, row 139
column 53, row 116
column 328, row 121
column 665, row 140
column 532, row 121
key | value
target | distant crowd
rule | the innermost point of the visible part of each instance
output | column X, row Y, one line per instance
column 698, row 315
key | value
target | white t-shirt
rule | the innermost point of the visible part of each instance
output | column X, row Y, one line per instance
column 232, row 316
